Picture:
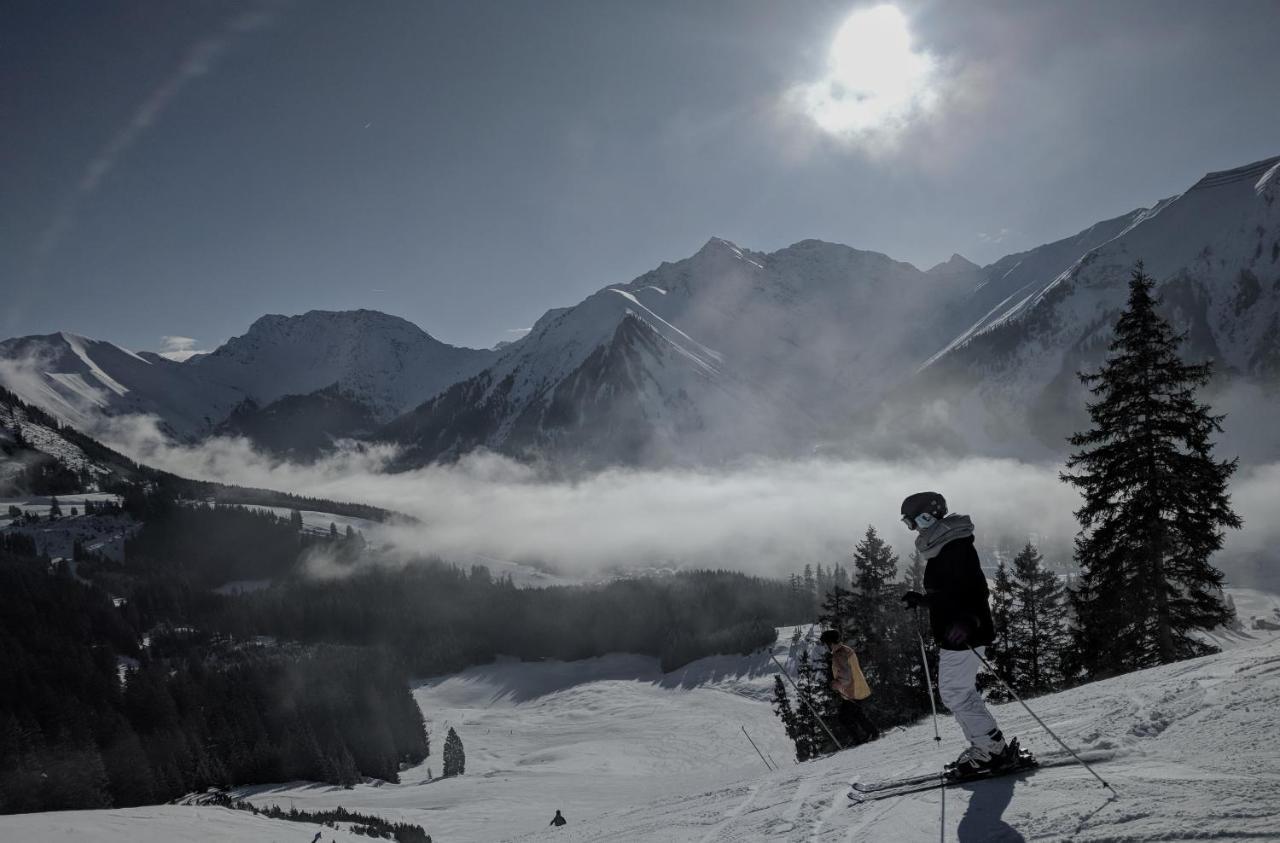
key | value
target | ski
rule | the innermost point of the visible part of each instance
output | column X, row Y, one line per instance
column 936, row 781
column 1046, row 760
column 887, row 784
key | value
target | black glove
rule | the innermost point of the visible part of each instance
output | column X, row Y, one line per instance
column 960, row 633
column 914, row 599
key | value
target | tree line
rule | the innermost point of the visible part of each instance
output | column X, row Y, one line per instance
column 90, row 717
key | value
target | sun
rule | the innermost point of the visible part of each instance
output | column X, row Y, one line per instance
column 876, row 79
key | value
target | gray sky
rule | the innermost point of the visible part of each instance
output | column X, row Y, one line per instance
column 179, row 169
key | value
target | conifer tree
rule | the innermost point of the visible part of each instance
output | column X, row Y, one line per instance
column 790, row 723
column 875, row 567
column 1039, row 622
column 836, row 611
column 1155, row 500
column 1001, row 650
column 455, row 759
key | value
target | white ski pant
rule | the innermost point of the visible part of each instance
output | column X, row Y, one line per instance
column 958, row 687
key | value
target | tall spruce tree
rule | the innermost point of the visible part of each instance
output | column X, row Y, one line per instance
column 1002, row 650
column 875, row 567
column 455, row 759
column 1039, row 623
column 782, row 708
column 1155, row 500
column 811, row 696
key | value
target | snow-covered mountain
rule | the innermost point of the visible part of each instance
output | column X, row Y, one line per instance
column 386, row 363
column 80, row 381
column 1215, row 253
column 726, row 353
column 380, row 365
column 38, row 452
column 732, row 352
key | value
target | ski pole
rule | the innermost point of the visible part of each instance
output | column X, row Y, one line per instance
column 805, row 700
column 924, row 662
column 1014, row 693
column 756, row 748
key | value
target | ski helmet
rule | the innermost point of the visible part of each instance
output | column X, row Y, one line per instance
column 923, row 503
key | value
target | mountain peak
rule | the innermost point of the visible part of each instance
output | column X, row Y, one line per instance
column 328, row 320
column 956, row 263
column 719, row 244
column 1256, row 174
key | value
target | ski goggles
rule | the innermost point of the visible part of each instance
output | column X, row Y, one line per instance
column 923, row 521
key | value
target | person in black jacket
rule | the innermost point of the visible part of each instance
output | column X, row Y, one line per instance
column 955, row 592
column 558, row 820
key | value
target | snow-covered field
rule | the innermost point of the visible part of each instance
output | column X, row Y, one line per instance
column 630, row 754
column 104, row 534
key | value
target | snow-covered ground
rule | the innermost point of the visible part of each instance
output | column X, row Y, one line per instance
column 631, row 754
column 163, row 824
column 104, row 534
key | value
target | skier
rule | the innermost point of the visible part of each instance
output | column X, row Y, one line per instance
column 956, row 594
column 558, row 820
column 847, row 681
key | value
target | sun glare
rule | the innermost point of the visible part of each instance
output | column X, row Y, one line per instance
column 875, row 80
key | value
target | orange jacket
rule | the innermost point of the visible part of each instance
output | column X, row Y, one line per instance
column 845, row 670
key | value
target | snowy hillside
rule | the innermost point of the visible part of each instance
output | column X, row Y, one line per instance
column 1215, row 253
column 165, row 824
column 630, row 754
column 80, row 381
column 38, row 451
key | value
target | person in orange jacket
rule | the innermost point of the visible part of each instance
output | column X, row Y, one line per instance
column 847, row 681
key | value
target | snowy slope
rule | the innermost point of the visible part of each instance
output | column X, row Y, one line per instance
column 164, row 824
column 630, row 754
column 31, row 438
column 1215, row 253
column 79, row 381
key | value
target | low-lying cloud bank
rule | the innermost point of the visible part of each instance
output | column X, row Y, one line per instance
column 767, row 517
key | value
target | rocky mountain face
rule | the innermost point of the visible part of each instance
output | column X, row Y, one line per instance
column 725, row 354
column 1215, row 253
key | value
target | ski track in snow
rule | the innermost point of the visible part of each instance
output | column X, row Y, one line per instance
column 632, row 754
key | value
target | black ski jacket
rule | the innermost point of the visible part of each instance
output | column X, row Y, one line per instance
column 957, row 592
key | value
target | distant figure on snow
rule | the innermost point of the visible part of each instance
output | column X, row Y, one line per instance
column 558, row 819
column 956, row 595
column 847, row 681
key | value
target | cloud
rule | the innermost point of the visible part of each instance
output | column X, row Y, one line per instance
column 999, row 237
column 199, row 60
column 769, row 517
column 179, row 348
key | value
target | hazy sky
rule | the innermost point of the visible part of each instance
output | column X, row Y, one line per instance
column 179, row 169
